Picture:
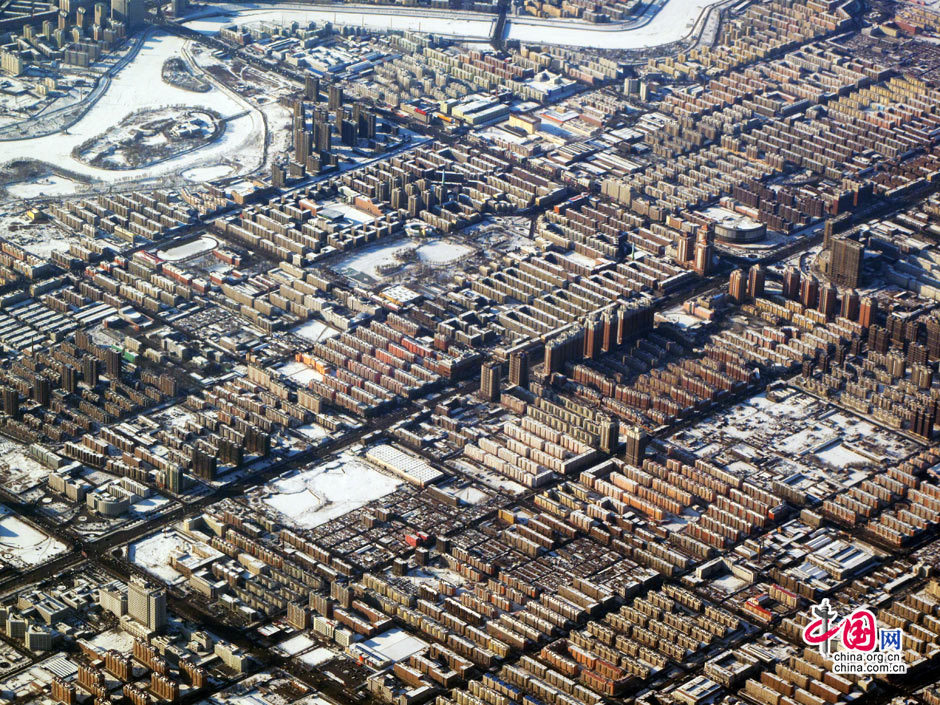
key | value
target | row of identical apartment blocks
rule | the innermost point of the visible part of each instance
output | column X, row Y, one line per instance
column 128, row 217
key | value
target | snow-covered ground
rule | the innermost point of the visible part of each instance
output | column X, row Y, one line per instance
column 208, row 173
column 116, row 639
column 315, row 330
column 327, row 491
column 23, row 546
column 806, row 438
column 368, row 259
column 431, row 574
column 43, row 186
column 153, row 555
column 312, row 431
column 442, row 252
column 138, row 86
column 21, row 472
column 838, row 455
column 190, row 249
column 299, row 372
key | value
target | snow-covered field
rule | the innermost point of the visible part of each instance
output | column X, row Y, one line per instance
column 368, row 259
column 190, row 249
column 806, row 438
column 23, row 546
column 312, row 431
column 442, row 252
column 20, row 470
column 839, row 455
column 153, row 554
column 138, row 86
column 43, row 186
column 116, row 639
column 329, row 490
column 434, row 575
column 208, row 173
column 315, row 330
column 298, row 372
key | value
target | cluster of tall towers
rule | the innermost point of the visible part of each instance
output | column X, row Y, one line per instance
column 314, row 130
column 826, row 298
column 491, row 375
column 749, row 287
column 82, row 13
column 599, row 334
column 696, row 251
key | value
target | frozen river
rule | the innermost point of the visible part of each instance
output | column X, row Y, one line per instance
column 465, row 25
column 674, row 21
column 138, row 86
column 661, row 24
